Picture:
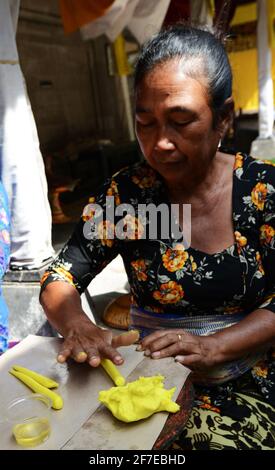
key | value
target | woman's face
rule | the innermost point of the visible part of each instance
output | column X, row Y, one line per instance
column 174, row 123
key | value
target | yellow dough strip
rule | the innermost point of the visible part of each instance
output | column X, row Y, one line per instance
column 57, row 401
column 41, row 379
column 113, row 372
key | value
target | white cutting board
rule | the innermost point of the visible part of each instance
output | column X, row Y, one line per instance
column 73, row 426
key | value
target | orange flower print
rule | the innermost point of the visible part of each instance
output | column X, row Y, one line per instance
column 66, row 275
column 133, row 227
column 88, row 211
column 193, row 264
column 173, row 260
column 260, row 369
column 178, row 247
column 235, row 309
column 266, row 234
column 238, row 161
column 169, row 293
column 106, row 231
column 144, row 177
column 241, row 241
column 205, row 399
column 113, row 191
column 267, row 300
column 140, row 269
column 268, row 162
column 207, row 404
column 259, row 261
column 258, row 195
column 44, row 277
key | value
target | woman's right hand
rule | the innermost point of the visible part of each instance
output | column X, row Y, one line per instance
column 85, row 341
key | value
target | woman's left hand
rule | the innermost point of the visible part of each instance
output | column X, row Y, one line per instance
column 195, row 352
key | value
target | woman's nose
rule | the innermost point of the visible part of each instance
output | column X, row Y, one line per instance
column 164, row 143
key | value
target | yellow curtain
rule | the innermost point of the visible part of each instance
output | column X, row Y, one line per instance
column 244, row 63
column 123, row 66
column 245, row 78
column 271, row 18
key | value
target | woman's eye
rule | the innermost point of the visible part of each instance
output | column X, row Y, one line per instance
column 181, row 123
column 145, row 124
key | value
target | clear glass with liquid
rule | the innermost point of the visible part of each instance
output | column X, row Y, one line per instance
column 29, row 417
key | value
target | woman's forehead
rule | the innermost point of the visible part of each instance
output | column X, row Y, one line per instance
column 169, row 83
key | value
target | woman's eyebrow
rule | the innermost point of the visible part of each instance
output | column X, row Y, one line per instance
column 174, row 109
column 180, row 109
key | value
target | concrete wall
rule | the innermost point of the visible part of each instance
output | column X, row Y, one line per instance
column 58, row 76
column 73, row 96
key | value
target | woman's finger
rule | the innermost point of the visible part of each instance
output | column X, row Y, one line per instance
column 98, row 348
column 189, row 360
column 148, row 340
column 111, row 353
column 163, row 342
column 63, row 355
column 125, row 339
column 65, row 351
column 78, row 353
column 170, row 351
column 93, row 356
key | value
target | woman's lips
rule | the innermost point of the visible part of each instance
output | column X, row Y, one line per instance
column 168, row 159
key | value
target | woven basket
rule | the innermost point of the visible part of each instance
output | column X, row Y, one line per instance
column 117, row 313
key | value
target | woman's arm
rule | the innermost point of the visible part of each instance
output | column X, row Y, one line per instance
column 256, row 332
column 88, row 251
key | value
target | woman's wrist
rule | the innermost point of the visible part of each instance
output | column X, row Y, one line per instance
column 76, row 322
column 212, row 351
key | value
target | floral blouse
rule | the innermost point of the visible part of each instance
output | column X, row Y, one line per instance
column 165, row 278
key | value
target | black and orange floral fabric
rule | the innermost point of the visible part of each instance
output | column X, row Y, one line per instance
column 163, row 275
column 167, row 278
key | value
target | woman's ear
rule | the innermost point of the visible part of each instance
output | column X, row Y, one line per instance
column 226, row 116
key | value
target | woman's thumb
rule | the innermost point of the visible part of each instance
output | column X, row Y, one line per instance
column 125, row 339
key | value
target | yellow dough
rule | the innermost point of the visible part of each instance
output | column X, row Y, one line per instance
column 139, row 399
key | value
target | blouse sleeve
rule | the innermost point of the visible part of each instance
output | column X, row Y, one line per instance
column 267, row 241
column 91, row 247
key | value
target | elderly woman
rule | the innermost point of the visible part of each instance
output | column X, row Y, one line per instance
column 210, row 305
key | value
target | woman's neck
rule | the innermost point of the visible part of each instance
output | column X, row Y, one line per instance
column 205, row 190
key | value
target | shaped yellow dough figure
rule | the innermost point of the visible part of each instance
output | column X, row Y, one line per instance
column 139, row 399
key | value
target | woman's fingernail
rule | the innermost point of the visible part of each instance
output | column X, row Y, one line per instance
column 94, row 360
column 60, row 358
column 147, row 352
column 156, row 354
column 139, row 348
column 118, row 359
column 81, row 356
